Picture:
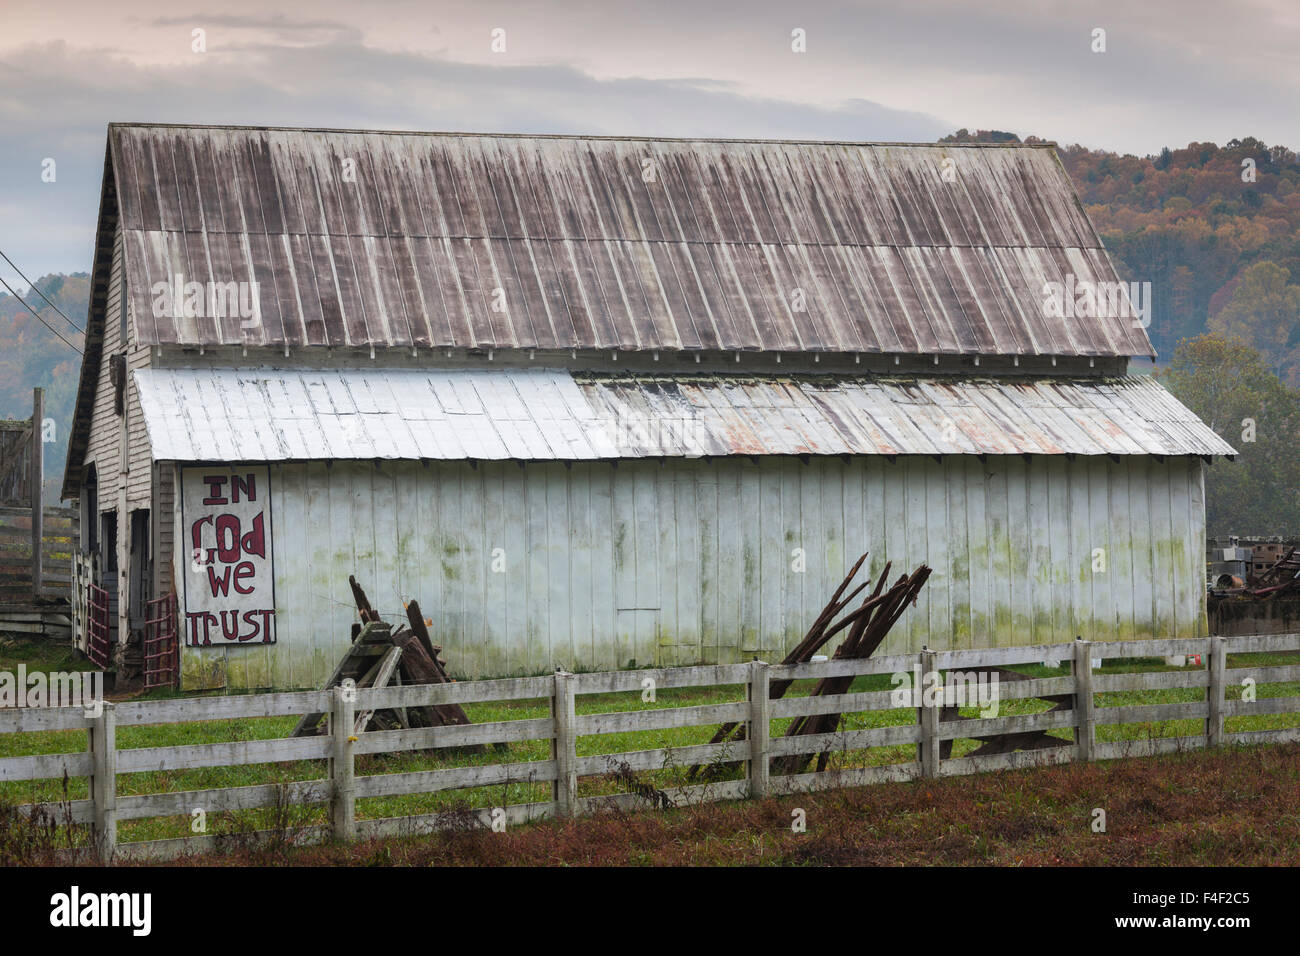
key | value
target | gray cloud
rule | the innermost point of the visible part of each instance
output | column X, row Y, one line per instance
column 69, row 96
column 1174, row 71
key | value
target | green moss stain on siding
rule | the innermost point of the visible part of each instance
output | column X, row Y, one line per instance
column 990, row 595
column 203, row 669
column 450, row 560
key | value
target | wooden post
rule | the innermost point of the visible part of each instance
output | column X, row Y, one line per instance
column 1085, row 716
column 1216, row 691
column 564, row 746
column 929, row 717
column 103, row 781
column 760, row 728
column 343, row 784
column 37, row 482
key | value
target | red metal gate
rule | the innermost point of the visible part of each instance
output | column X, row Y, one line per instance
column 161, row 650
column 98, row 640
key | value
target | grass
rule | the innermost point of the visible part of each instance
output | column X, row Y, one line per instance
column 40, row 654
column 525, row 791
column 1237, row 806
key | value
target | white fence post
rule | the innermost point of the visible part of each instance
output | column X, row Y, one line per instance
column 564, row 746
column 103, row 781
column 929, row 718
column 343, row 784
column 759, row 730
column 1218, row 662
column 1085, row 715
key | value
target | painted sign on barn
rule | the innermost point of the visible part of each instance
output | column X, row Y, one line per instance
column 230, row 581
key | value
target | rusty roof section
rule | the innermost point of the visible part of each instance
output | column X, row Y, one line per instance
column 536, row 414
column 476, row 241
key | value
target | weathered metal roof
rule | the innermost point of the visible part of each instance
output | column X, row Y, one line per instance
column 552, row 414
column 459, row 240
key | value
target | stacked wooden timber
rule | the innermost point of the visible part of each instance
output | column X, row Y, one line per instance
column 867, row 624
column 381, row 656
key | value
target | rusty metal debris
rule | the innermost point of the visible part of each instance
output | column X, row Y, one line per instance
column 1278, row 578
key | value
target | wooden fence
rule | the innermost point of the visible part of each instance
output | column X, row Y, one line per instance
column 59, row 539
column 36, row 542
column 102, row 761
column 16, row 443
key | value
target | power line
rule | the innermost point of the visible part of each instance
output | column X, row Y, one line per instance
column 33, row 285
column 38, row 317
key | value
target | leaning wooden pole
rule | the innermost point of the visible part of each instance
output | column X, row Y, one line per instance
column 866, row 636
column 37, row 481
column 818, row 634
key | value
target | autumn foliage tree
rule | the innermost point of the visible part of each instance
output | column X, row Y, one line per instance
column 1264, row 311
column 1191, row 221
column 31, row 356
column 1232, row 387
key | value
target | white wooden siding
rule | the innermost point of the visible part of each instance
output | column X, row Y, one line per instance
column 104, row 447
column 691, row 561
column 106, row 430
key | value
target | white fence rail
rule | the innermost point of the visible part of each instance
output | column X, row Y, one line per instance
column 103, row 761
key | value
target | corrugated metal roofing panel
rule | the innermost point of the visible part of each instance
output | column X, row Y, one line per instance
column 552, row 414
column 400, row 239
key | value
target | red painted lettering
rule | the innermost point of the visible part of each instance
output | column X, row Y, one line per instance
column 214, row 483
column 196, row 618
column 244, row 569
column 247, row 485
column 255, row 541
column 219, row 585
column 228, row 537
column 196, row 532
column 263, row 627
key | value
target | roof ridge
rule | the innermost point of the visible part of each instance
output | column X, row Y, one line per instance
column 578, row 136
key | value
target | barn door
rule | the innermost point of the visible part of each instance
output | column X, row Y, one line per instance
column 140, row 571
column 108, row 577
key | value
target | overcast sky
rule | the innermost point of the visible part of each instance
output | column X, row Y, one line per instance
column 1173, row 71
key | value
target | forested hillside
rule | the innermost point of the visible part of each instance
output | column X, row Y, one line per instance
column 31, row 355
column 1215, row 230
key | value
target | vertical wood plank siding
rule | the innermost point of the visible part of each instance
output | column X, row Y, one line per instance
column 104, row 447
column 106, row 434
column 692, row 561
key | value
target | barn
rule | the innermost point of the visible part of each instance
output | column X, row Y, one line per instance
column 600, row 402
